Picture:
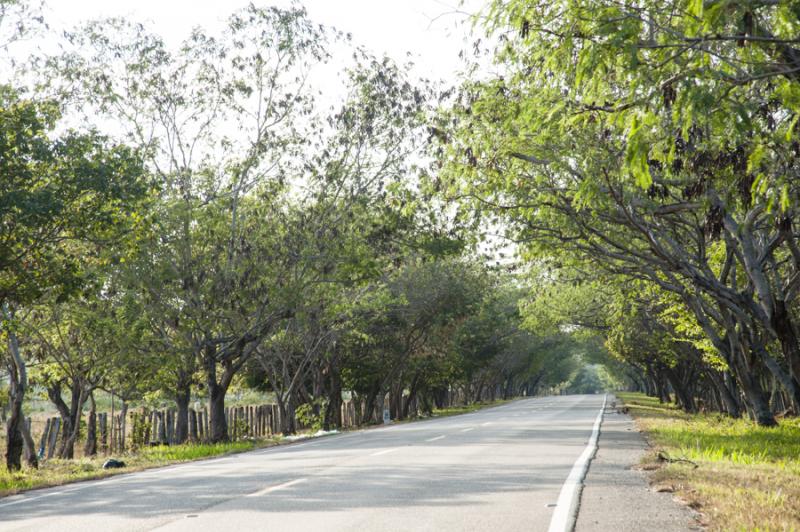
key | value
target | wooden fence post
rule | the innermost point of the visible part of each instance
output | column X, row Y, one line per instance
column 201, row 429
column 135, row 424
column 162, row 429
column 43, row 440
column 264, row 420
column 170, row 434
column 103, row 421
column 55, row 427
column 153, row 427
column 90, row 449
column 193, row 425
column 148, row 427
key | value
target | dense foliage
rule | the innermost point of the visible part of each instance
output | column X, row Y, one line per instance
column 650, row 148
column 180, row 222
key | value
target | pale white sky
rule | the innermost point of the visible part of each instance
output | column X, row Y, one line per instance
column 433, row 31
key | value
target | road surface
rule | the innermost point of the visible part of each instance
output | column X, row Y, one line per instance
column 498, row 469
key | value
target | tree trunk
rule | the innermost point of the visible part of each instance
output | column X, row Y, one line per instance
column 71, row 416
column 411, row 395
column 14, row 442
column 17, row 434
column 66, row 413
column 217, row 425
column 731, row 406
column 787, row 335
column 759, row 404
column 427, row 405
column 369, row 406
column 286, row 406
column 682, row 396
column 755, row 397
column 217, row 389
column 182, row 396
column 787, row 381
column 395, row 401
column 478, row 392
column 333, row 411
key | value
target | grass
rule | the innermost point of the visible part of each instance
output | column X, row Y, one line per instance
column 748, row 477
column 58, row 472
column 466, row 409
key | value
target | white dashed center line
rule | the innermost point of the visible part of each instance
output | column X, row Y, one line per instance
column 385, row 451
column 278, row 487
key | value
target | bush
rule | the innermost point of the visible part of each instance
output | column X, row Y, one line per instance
column 307, row 418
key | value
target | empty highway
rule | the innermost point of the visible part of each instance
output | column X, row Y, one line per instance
column 496, row 469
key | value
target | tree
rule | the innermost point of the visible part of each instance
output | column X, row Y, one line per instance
column 645, row 138
column 220, row 119
column 55, row 196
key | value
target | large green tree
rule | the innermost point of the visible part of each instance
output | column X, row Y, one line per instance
column 221, row 119
column 654, row 140
column 60, row 196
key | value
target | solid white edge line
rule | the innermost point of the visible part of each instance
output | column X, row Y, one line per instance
column 566, row 511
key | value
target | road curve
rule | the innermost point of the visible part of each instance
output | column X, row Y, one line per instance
column 496, row 469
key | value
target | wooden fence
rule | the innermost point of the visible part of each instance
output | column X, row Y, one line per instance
column 143, row 427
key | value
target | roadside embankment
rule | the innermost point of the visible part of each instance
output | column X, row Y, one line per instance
column 617, row 496
column 737, row 475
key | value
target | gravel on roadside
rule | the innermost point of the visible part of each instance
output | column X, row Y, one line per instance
column 617, row 497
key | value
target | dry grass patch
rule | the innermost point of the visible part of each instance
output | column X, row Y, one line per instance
column 747, row 477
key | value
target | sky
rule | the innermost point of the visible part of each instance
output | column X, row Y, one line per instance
column 431, row 31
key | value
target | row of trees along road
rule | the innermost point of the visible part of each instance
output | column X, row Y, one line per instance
column 187, row 219
column 648, row 153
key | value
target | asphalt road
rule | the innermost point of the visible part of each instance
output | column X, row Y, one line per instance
column 499, row 469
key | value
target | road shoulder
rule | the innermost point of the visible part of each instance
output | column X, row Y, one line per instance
column 617, row 497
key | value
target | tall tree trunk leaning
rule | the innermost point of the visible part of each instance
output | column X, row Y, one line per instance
column 756, row 398
column 14, row 442
column 17, row 434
